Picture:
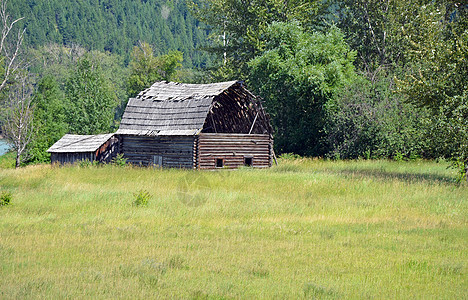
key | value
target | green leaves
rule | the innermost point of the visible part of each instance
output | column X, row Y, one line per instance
column 297, row 74
column 49, row 119
column 91, row 102
column 238, row 27
column 438, row 79
column 146, row 69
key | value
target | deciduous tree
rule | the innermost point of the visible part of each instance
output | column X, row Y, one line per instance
column 146, row 69
column 18, row 127
column 298, row 74
column 238, row 26
column 438, row 78
column 10, row 45
column 91, row 101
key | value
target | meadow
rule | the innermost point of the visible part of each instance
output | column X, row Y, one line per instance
column 303, row 229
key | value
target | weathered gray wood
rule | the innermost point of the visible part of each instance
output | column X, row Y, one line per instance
column 175, row 151
column 79, row 143
column 221, row 107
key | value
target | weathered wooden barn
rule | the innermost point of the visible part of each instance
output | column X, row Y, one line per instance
column 201, row 126
column 72, row 148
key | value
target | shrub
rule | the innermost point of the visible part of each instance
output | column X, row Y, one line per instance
column 367, row 120
column 141, row 198
column 5, row 198
column 87, row 163
column 119, row 160
column 289, row 156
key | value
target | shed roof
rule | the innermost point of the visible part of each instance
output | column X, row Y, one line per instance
column 169, row 108
column 79, row 143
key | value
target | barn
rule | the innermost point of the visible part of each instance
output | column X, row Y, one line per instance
column 72, row 148
column 200, row 126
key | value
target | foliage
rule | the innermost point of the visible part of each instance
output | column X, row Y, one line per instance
column 56, row 61
column 19, row 115
column 373, row 29
column 437, row 79
column 289, row 156
column 5, row 198
column 86, row 163
column 298, row 74
column 238, row 27
column 368, row 120
column 119, row 160
column 114, row 26
column 141, row 198
column 49, row 122
column 91, row 101
column 146, row 69
column 7, row 160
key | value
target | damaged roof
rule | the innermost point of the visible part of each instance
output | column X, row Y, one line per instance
column 79, row 143
column 169, row 108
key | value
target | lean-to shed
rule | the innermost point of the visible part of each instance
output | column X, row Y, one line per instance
column 72, row 148
column 201, row 126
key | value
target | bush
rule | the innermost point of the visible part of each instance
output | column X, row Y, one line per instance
column 289, row 156
column 87, row 163
column 141, row 198
column 368, row 120
column 119, row 160
column 5, row 198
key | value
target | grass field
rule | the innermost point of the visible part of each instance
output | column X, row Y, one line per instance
column 304, row 229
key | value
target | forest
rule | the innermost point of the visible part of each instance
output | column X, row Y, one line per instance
column 340, row 79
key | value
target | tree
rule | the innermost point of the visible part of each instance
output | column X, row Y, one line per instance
column 146, row 69
column 18, row 127
column 298, row 74
column 374, row 30
column 238, row 26
column 438, row 79
column 90, row 99
column 10, row 46
column 369, row 120
column 49, row 119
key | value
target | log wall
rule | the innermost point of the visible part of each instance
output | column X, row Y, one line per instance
column 169, row 151
column 233, row 149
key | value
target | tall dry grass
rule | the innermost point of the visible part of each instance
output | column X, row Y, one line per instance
column 304, row 229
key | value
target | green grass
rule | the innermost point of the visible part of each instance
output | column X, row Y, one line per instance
column 7, row 160
column 303, row 229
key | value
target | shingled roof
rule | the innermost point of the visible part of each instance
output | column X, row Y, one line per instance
column 169, row 108
column 79, row 143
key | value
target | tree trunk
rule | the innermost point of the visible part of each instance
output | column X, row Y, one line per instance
column 466, row 170
column 18, row 160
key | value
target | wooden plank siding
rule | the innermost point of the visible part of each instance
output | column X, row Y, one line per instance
column 233, row 149
column 176, row 151
column 70, row 158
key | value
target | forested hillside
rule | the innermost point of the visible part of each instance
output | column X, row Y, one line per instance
column 114, row 26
